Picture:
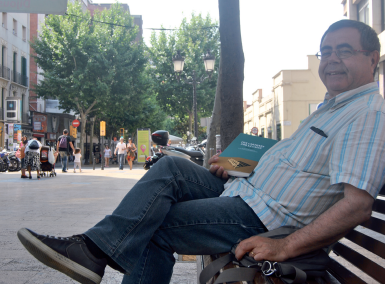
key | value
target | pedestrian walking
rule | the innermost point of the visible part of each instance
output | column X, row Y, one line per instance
column 22, row 157
column 107, row 156
column 32, row 157
column 131, row 148
column 77, row 162
column 121, row 149
column 63, row 148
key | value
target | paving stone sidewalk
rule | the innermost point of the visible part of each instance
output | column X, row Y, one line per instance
column 67, row 204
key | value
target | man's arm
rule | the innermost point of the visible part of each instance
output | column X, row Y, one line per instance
column 57, row 146
column 333, row 224
column 72, row 146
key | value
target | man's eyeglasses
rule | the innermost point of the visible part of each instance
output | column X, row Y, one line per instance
column 342, row 53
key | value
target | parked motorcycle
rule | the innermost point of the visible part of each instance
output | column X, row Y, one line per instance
column 9, row 162
column 161, row 138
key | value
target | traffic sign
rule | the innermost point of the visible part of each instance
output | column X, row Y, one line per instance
column 254, row 130
column 75, row 123
column 102, row 128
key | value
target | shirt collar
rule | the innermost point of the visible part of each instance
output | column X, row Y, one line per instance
column 351, row 95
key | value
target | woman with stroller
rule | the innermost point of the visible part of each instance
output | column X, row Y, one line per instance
column 32, row 157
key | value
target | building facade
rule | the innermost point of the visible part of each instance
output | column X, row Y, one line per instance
column 14, row 82
column 295, row 95
column 372, row 13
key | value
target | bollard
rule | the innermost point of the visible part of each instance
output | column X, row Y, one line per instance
column 94, row 163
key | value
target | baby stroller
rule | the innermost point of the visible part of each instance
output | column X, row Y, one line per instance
column 47, row 160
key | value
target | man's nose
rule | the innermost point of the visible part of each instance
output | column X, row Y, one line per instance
column 333, row 58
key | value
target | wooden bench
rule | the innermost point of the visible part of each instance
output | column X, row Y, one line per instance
column 338, row 273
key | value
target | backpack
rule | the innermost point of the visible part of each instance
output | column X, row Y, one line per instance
column 293, row 270
column 63, row 142
column 33, row 145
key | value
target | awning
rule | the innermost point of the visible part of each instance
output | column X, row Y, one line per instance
column 38, row 135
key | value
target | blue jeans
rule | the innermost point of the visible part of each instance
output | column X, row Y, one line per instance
column 175, row 207
column 64, row 157
column 121, row 161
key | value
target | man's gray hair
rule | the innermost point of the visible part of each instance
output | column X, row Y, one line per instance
column 369, row 39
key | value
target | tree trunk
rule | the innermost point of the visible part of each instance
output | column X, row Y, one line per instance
column 91, row 142
column 83, row 118
column 190, row 121
column 232, row 66
column 215, row 124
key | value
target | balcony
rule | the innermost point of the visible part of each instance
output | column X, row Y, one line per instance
column 5, row 72
column 19, row 79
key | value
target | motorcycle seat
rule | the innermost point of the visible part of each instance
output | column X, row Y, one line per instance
column 188, row 152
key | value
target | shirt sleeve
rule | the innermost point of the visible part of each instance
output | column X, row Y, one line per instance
column 358, row 154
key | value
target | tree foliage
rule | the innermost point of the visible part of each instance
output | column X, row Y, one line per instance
column 95, row 68
column 193, row 39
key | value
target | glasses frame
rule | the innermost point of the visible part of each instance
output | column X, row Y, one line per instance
column 319, row 54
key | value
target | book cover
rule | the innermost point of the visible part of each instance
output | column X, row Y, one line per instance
column 243, row 154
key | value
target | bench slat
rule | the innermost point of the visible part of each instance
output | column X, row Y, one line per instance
column 367, row 242
column 342, row 274
column 366, row 265
column 375, row 224
column 379, row 206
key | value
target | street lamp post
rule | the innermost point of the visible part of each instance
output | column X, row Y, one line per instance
column 209, row 61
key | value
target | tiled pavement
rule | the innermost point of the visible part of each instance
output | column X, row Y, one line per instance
column 65, row 205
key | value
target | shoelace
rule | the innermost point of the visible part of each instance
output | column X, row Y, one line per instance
column 76, row 238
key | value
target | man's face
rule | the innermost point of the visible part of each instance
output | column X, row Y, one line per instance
column 341, row 75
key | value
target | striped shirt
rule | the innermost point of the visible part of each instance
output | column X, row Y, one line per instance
column 301, row 177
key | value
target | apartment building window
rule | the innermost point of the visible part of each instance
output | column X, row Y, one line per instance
column 24, row 33
column 2, row 97
column 14, row 31
column 24, row 71
column 3, row 55
column 14, row 66
column 279, row 132
column 363, row 11
column 4, row 23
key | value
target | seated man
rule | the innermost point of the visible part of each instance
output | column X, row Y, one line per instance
column 323, row 179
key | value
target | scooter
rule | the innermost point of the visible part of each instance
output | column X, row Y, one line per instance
column 160, row 138
column 9, row 162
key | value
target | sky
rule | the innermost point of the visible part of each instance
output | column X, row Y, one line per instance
column 276, row 35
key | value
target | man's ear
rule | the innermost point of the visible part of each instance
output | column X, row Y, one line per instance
column 375, row 58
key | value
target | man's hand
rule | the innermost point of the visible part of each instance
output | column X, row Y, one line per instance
column 217, row 170
column 263, row 249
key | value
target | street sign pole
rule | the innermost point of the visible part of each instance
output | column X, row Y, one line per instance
column 102, row 134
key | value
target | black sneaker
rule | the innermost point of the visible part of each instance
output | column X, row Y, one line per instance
column 67, row 255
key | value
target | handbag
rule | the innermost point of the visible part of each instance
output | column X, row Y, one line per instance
column 293, row 270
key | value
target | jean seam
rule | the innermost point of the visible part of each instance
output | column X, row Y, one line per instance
column 144, row 265
column 144, row 214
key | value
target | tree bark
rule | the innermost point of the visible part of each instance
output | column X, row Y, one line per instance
column 190, row 121
column 232, row 67
column 91, row 142
column 83, row 118
column 215, row 123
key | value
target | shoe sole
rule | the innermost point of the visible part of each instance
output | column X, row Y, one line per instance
column 51, row 258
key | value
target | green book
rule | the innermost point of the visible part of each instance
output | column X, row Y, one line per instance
column 243, row 154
